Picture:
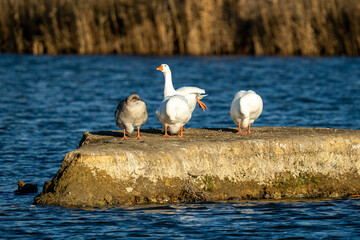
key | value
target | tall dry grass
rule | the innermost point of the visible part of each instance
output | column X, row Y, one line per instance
column 199, row 27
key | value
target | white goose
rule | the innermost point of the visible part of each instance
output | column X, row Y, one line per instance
column 192, row 94
column 246, row 107
column 174, row 112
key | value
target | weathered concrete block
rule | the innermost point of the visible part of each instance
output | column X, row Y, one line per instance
column 209, row 164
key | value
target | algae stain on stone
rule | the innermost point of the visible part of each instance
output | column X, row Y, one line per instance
column 205, row 182
column 209, row 183
column 295, row 181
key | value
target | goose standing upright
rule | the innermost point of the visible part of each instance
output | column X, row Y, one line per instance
column 131, row 112
column 192, row 94
column 246, row 107
column 174, row 112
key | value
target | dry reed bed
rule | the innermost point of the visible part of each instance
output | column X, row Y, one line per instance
column 164, row 27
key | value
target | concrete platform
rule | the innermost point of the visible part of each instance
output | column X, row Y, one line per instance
column 207, row 165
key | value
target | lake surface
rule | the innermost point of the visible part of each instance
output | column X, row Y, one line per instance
column 48, row 102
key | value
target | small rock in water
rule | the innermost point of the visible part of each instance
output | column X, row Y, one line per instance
column 24, row 188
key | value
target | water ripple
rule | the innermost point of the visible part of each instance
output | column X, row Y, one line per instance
column 48, row 102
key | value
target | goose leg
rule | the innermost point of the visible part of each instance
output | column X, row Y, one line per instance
column 138, row 133
column 181, row 132
column 240, row 132
column 166, row 134
column 201, row 104
column 248, row 131
column 125, row 137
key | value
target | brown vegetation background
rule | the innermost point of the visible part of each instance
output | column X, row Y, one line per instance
column 164, row 27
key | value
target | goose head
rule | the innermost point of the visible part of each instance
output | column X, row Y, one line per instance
column 164, row 68
column 133, row 98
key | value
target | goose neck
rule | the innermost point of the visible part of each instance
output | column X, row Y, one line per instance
column 169, row 88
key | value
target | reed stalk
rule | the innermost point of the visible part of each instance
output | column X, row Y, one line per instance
column 195, row 27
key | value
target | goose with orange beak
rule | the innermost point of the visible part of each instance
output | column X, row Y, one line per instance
column 192, row 94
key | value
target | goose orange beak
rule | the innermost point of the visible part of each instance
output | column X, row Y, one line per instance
column 160, row 68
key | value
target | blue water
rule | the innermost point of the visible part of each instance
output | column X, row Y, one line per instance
column 48, row 102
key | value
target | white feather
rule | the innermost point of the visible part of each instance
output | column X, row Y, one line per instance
column 190, row 93
column 246, row 107
column 174, row 112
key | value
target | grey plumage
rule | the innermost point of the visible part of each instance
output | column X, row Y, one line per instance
column 131, row 112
